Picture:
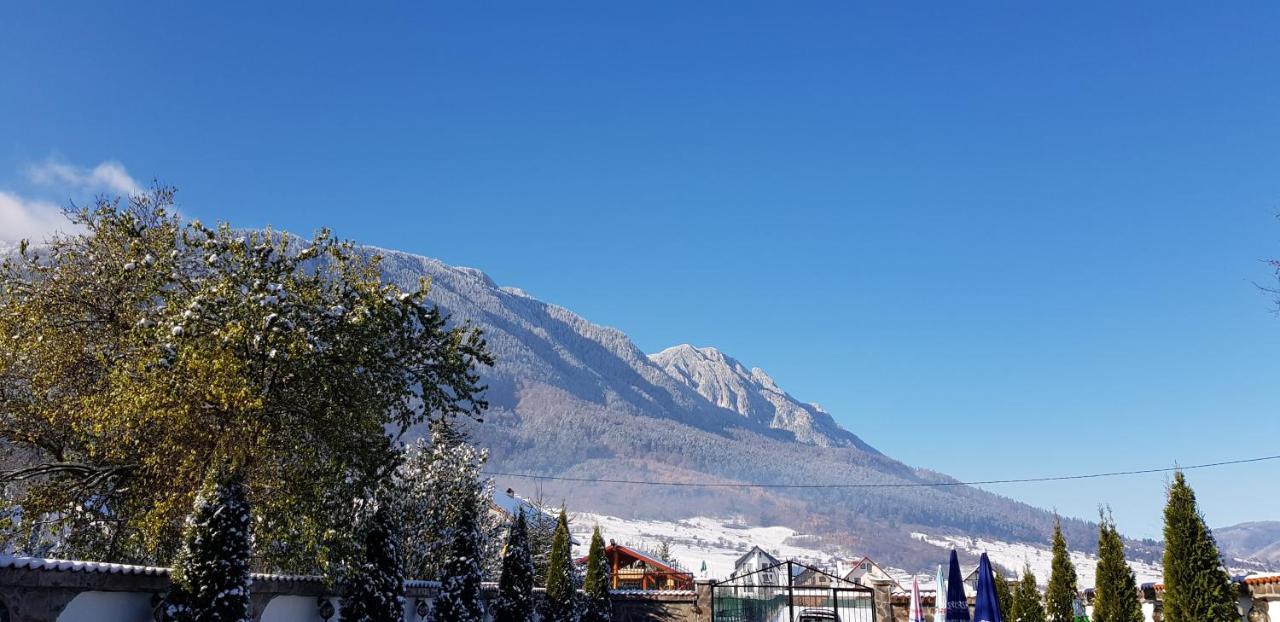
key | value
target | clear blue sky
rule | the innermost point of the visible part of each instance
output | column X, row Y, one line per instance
column 995, row 239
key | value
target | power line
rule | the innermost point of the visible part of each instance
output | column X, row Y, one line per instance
column 1055, row 478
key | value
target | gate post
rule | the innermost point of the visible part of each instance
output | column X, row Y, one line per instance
column 882, row 599
column 703, row 606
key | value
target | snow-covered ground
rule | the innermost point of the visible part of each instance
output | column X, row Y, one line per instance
column 717, row 541
column 1014, row 556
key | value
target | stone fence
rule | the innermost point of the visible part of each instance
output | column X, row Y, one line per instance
column 43, row 590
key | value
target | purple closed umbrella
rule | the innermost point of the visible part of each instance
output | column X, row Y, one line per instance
column 987, row 608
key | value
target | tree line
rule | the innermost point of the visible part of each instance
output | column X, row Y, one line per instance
column 1197, row 587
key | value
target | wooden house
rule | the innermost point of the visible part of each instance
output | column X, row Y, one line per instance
column 631, row 569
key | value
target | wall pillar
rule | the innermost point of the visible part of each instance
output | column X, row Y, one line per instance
column 882, row 600
column 702, row 605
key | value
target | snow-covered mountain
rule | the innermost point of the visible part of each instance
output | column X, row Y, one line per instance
column 753, row 394
column 1257, row 542
column 574, row 399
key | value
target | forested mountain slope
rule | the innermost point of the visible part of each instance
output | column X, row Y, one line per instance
column 575, row 399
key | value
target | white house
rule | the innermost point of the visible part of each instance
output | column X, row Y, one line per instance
column 758, row 567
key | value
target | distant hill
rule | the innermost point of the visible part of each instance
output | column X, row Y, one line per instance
column 575, row 399
column 1255, row 541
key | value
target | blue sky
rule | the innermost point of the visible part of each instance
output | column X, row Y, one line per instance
column 995, row 239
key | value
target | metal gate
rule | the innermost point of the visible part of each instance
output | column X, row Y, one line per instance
column 791, row 592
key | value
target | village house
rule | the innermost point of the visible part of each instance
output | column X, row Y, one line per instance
column 757, row 567
column 632, row 569
column 866, row 572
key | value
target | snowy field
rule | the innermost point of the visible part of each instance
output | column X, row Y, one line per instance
column 720, row 541
column 1015, row 556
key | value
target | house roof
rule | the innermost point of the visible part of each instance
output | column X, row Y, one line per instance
column 867, row 559
column 648, row 559
column 509, row 502
column 1262, row 579
column 755, row 549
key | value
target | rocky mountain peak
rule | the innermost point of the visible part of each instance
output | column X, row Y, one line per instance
column 751, row 393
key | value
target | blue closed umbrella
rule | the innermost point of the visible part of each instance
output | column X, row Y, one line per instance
column 987, row 608
column 957, row 603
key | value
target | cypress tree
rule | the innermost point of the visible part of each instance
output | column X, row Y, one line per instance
column 1062, row 581
column 515, row 584
column 1027, row 606
column 1004, row 595
column 595, row 587
column 375, row 586
column 211, row 576
column 1116, row 590
column 560, row 595
column 1196, row 588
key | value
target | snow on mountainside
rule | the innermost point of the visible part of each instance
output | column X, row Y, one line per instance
column 753, row 394
column 1256, row 542
column 575, row 399
column 1014, row 556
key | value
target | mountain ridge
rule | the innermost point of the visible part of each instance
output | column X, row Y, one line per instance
column 752, row 393
column 573, row 399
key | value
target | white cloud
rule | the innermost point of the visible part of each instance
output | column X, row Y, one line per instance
column 110, row 176
column 30, row 219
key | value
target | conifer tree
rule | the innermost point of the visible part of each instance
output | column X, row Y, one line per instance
column 463, row 568
column 1062, row 581
column 1004, row 594
column 664, row 550
column 1115, row 590
column 541, row 522
column 595, row 587
column 515, row 584
column 1027, row 606
column 1196, row 588
column 560, row 604
column 375, row 586
column 211, row 576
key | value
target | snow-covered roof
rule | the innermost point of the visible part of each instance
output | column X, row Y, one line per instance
column 49, row 564
column 70, row 565
column 754, row 550
column 509, row 502
column 653, row 592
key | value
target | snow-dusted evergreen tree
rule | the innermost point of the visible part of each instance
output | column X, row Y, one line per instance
column 441, row 491
column 375, row 584
column 595, row 586
column 211, row 576
column 561, row 604
column 663, row 550
column 445, row 514
column 515, row 584
column 462, row 572
column 541, row 523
